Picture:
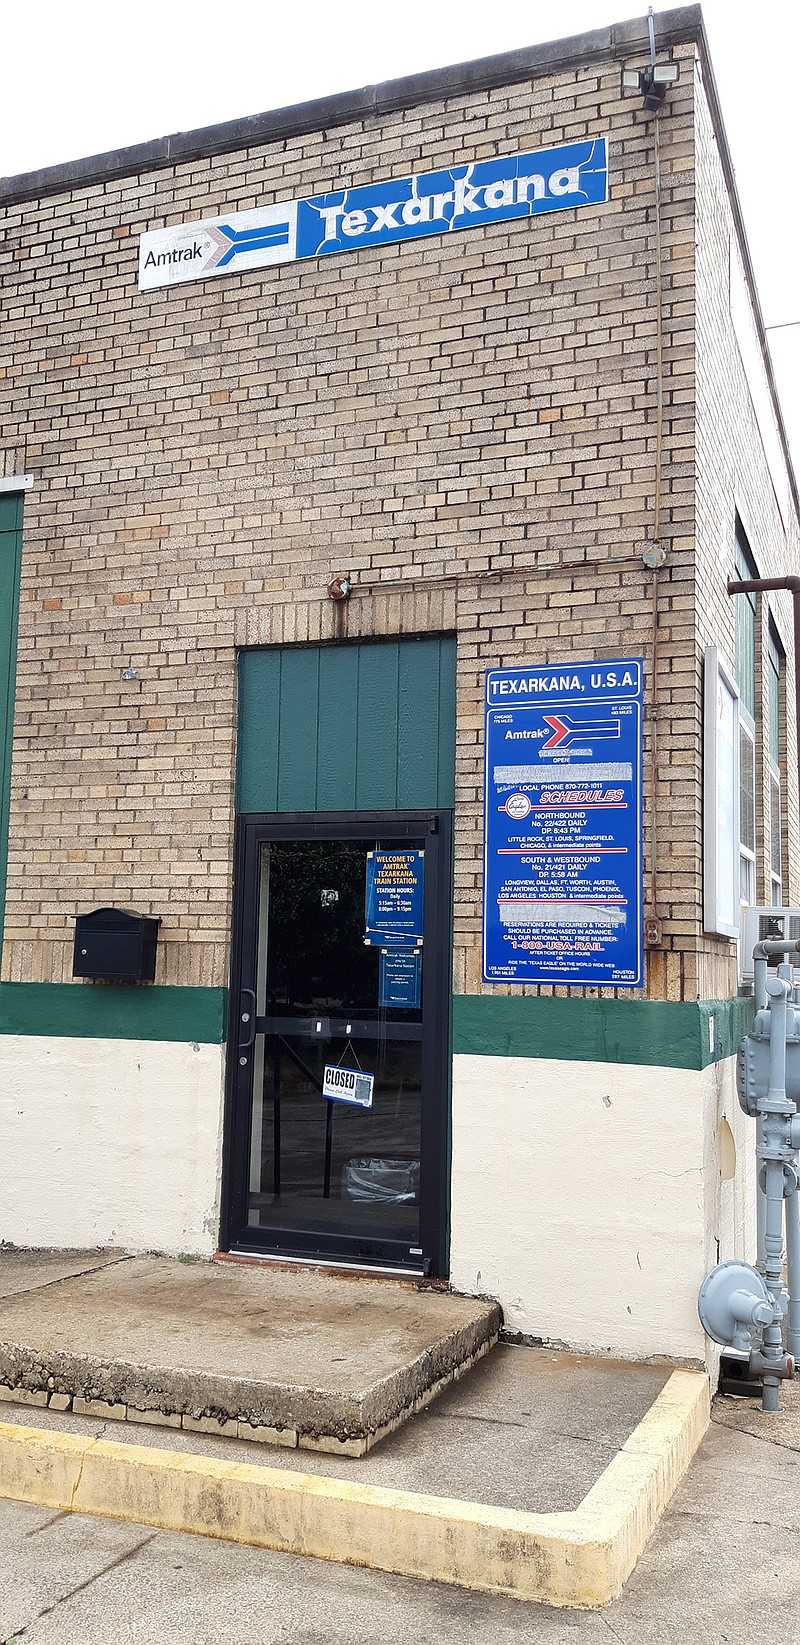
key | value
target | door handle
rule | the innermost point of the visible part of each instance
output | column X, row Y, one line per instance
column 247, row 1018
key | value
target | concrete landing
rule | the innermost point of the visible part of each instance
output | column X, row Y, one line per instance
column 293, row 1357
column 529, row 1429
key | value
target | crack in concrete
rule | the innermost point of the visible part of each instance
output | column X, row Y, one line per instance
column 53, row 1520
column 712, row 1516
column 610, row 1629
column 80, row 1587
column 761, row 1439
column 512, row 1422
column 82, row 1273
column 76, row 1486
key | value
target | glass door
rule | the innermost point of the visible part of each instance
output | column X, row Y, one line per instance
column 339, row 1042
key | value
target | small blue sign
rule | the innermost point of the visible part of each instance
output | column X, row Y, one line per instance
column 394, row 901
column 563, row 825
column 400, row 978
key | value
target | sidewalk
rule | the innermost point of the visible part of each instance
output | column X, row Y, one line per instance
column 723, row 1564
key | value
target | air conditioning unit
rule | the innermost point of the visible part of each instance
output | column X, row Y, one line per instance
column 758, row 923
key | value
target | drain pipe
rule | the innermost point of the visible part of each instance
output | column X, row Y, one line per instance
column 763, row 585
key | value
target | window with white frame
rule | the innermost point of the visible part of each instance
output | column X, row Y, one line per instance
column 746, row 681
column 775, row 683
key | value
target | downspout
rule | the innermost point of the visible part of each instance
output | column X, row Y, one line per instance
column 652, row 918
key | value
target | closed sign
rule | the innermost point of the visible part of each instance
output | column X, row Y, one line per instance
column 348, row 1085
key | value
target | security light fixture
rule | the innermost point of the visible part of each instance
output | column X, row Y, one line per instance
column 651, row 83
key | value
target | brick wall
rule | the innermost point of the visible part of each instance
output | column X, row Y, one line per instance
column 734, row 478
column 465, row 425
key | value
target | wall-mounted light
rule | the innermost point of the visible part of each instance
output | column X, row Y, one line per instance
column 651, row 83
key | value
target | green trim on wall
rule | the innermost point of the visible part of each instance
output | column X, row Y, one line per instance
column 655, row 1033
column 10, row 568
column 113, row 1011
column 650, row 1032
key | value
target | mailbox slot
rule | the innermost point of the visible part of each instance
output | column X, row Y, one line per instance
column 115, row 946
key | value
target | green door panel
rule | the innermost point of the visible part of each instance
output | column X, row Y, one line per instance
column 365, row 727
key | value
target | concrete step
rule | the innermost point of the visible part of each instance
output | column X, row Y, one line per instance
column 290, row 1356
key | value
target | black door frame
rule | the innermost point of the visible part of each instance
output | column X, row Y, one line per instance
column 252, row 829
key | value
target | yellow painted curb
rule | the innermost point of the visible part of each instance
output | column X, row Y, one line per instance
column 579, row 1559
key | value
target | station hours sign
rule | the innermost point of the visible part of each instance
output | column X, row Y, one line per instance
column 562, row 900
column 394, row 898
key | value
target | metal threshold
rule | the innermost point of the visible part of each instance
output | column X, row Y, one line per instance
column 275, row 1260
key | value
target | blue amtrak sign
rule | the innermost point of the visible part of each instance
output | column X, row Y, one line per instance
column 562, row 884
column 469, row 194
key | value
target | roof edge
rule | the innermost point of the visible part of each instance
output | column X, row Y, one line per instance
column 682, row 23
column 718, row 122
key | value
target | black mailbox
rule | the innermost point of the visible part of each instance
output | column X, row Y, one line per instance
column 116, row 946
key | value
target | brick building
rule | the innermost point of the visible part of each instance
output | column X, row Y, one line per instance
column 546, row 440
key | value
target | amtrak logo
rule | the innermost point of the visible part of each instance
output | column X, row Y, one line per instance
column 230, row 242
column 250, row 239
column 468, row 195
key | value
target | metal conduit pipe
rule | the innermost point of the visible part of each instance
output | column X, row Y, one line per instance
column 739, row 1304
column 791, row 1211
column 771, row 948
column 775, row 1109
column 774, row 948
column 792, row 1214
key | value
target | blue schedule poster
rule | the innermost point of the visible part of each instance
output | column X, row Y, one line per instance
column 563, row 825
column 394, row 898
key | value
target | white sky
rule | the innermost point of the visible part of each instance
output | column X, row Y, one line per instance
column 83, row 77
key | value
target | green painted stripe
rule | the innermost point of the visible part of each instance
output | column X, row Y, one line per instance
column 113, row 1011
column 650, row 1032
column 655, row 1033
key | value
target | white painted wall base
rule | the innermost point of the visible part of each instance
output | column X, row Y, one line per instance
column 110, row 1142
column 589, row 1198
column 586, row 1197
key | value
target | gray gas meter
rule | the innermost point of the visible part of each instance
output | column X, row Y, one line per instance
column 752, row 1061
